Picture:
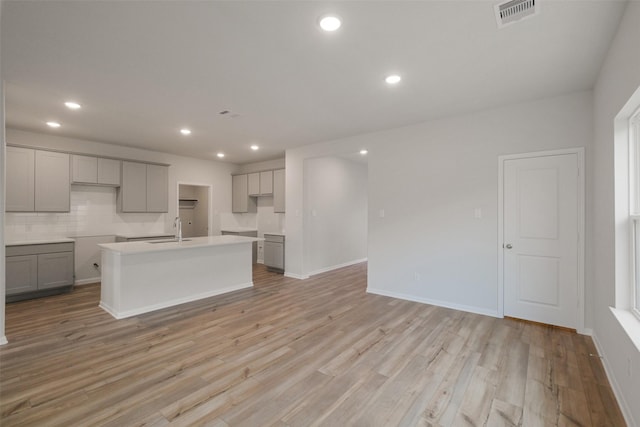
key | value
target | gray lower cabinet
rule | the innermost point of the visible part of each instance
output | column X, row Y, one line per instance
column 21, row 274
column 35, row 270
column 37, row 181
column 274, row 252
column 254, row 249
column 55, row 270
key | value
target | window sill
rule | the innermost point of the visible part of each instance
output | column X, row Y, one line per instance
column 630, row 323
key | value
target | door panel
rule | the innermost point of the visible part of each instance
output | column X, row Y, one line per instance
column 541, row 239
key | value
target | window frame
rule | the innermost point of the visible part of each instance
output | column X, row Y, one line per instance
column 634, row 209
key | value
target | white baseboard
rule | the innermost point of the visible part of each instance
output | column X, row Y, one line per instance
column 3, row 340
column 445, row 304
column 89, row 281
column 295, row 276
column 624, row 407
column 335, row 267
column 153, row 307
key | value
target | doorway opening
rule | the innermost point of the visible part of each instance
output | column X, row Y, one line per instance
column 194, row 209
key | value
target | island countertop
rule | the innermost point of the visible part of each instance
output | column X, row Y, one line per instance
column 171, row 245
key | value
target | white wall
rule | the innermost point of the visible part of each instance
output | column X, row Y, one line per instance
column 261, row 166
column 100, row 201
column 336, row 213
column 619, row 78
column 428, row 179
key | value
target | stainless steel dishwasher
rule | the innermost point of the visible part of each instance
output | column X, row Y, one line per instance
column 274, row 252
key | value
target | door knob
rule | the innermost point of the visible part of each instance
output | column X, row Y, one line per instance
column 508, row 246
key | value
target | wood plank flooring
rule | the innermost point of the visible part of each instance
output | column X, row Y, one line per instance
column 294, row 353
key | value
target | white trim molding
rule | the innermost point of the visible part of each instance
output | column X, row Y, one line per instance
column 337, row 266
column 622, row 403
column 579, row 152
column 445, row 304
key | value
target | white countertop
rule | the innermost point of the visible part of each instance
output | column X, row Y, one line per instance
column 42, row 241
column 143, row 235
column 238, row 229
column 274, row 233
column 190, row 242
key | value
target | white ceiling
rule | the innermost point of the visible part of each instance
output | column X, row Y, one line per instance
column 144, row 69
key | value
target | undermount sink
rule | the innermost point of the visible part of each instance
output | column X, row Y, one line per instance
column 168, row 241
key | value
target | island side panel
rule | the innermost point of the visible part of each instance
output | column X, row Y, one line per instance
column 110, row 286
column 150, row 281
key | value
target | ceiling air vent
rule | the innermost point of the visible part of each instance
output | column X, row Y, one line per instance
column 515, row 10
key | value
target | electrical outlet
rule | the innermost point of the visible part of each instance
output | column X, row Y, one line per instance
column 416, row 276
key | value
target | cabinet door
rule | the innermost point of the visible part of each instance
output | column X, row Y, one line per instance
column 109, row 172
column 274, row 255
column 239, row 193
column 157, row 188
column 254, row 184
column 133, row 189
column 266, row 182
column 84, row 169
column 21, row 274
column 53, row 186
column 20, row 173
column 55, row 270
column 278, row 191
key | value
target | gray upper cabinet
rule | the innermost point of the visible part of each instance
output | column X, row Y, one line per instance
column 266, row 183
column 37, row 181
column 144, row 188
column 241, row 202
column 157, row 188
column 279, row 190
column 94, row 170
column 133, row 189
column 109, row 171
column 52, row 182
column 84, row 169
column 253, row 182
column 20, row 173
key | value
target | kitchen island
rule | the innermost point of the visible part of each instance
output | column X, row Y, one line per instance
column 139, row 277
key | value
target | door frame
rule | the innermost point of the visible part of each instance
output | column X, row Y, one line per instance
column 209, row 204
column 579, row 152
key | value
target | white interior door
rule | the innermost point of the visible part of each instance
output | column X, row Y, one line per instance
column 541, row 239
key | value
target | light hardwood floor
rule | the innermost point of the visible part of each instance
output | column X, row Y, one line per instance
column 294, row 353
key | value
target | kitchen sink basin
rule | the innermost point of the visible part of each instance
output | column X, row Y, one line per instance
column 155, row 242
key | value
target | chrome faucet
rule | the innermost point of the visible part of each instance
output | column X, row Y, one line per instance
column 177, row 224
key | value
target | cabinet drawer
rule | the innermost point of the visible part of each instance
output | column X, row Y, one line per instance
column 275, row 238
column 38, row 249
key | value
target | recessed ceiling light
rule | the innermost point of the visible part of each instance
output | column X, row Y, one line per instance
column 72, row 105
column 255, row 147
column 363, row 152
column 185, row 131
column 393, row 79
column 53, row 124
column 330, row 23
column 221, row 155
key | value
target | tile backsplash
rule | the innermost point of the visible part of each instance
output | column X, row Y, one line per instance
column 93, row 213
